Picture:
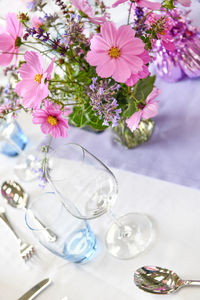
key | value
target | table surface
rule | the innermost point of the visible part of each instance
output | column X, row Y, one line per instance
column 173, row 208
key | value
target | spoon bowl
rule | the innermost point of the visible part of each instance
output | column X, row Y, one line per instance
column 14, row 194
column 159, row 280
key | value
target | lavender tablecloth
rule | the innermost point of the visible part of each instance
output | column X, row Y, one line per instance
column 172, row 153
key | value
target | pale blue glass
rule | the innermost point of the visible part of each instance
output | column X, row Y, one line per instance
column 75, row 240
column 12, row 138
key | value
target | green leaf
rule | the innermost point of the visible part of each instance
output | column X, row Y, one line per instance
column 83, row 116
column 131, row 108
column 144, row 87
column 169, row 4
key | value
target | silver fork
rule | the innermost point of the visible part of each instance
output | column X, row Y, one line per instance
column 26, row 250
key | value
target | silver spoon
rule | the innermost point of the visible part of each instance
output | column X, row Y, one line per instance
column 158, row 280
column 18, row 198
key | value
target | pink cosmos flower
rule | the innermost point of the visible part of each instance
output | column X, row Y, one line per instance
column 33, row 87
column 142, row 3
column 150, row 110
column 141, row 74
column 185, row 3
column 51, row 120
column 165, row 36
column 116, row 52
column 10, row 39
column 85, row 7
column 36, row 22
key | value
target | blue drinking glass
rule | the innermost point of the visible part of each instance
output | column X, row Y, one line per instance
column 12, row 138
column 75, row 240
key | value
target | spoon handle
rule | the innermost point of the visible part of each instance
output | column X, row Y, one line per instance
column 5, row 219
column 193, row 282
column 50, row 236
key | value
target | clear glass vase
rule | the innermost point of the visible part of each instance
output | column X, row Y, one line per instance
column 124, row 136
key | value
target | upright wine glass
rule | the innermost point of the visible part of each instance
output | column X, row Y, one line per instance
column 12, row 143
column 89, row 189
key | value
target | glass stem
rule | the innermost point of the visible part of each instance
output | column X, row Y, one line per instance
column 125, row 231
column 115, row 219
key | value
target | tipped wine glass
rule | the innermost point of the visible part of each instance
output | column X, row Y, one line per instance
column 74, row 241
column 13, row 142
column 89, row 189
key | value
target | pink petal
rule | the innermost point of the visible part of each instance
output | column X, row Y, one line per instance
column 124, row 34
column 23, row 86
column 107, row 68
column 145, row 57
column 185, row 3
column 98, row 44
column 97, row 58
column 27, row 72
column 150, row 110
column 109, row 33
column 122, row 70
column 135, row 63
column 5, row 59
column 6, row 42
column 46, row 128
column 155, row 93
column 118, row 2
column 13, row 26
column 132, row 80
column 134, row 47
column 35, row 60
column 134, row 120
column 148, row 4
column 49, row 70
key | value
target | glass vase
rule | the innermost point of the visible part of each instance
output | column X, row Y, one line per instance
column 11, row 134
column 124, row 136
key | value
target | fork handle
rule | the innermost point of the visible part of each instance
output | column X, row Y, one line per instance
column 5, row 219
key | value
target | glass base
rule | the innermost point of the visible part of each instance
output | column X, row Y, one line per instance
column 131, row 237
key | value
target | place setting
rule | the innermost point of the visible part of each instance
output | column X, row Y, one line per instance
column 91, row 209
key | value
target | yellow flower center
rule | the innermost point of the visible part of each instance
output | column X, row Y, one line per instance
column 52, row 120
column 38, row 78
column 114, row 52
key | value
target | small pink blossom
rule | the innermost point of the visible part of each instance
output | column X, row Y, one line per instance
column 85, row 7
column 51, row 120
column 141, row 3
column 10, row 39
column 33, row 87
column 116, row 52
column 150, row 110
column 36, row 22
column 185, row 3
column 164, row 36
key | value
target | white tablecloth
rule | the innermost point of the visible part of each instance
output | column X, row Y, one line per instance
column 173, row 209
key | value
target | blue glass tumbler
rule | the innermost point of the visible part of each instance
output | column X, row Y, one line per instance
column 12, row 138
column 75, row 240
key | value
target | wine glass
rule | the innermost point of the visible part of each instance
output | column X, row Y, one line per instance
column 12, row 143
column 74, row 241
column 89, row 189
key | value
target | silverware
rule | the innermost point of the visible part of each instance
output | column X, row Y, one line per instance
column 26, row 250
column 36, row 290
column 18, row 198
column 158, row 280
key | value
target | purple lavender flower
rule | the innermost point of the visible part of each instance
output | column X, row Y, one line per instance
column 103, row 102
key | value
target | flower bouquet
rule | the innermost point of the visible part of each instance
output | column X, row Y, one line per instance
column 69, row 63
